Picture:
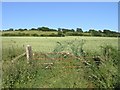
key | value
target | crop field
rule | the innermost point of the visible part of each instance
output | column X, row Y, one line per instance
column 61, row 62
column 47, row 44
column 30, row 32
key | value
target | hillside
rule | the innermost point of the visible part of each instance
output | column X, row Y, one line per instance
column 60, row 32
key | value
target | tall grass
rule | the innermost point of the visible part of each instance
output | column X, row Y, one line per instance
column 16, row 74
column 88, row 70
column 103, row 76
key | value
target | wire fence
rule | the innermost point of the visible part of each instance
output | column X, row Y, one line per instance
column 52, row 58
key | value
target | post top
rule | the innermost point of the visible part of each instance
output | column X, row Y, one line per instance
column 28, row 45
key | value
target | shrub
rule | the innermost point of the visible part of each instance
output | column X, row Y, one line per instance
column 35, row 34
column 102, row 75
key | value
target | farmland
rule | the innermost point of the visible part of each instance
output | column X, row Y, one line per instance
column 69, row 72
column 47, row 44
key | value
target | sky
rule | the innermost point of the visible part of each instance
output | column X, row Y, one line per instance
column 71, row 15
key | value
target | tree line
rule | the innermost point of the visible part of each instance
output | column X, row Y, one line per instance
column 61, row 32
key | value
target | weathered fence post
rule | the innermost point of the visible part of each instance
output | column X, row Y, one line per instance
column 29, row 54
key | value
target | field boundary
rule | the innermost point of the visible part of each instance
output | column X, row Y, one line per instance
column 30, row 56
column 18, row 57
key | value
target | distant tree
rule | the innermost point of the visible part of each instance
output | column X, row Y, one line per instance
column 107, row 32
column 34, row 34
column 60, row 33
column 72, row 30
column 33, row 29
column 25, row 29
column 52, row 30
column 79, row 30
column 94, row 32
column 59, row 29
column 99, row 31
column 39, row 28
column 11, row 29
column 64, row 30
column 86, row 31
column 45, row 29
column 20, row 29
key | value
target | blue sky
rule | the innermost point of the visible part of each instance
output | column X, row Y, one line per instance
column 86, row 15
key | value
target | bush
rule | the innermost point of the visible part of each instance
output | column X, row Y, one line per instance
column 35, row 34
column 102, row 75
column 86, row 73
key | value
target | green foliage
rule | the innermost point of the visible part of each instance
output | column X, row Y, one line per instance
column 103, row 76
column 35, row 34
column 15, row 34
column 74, row 47
column 18, row 74
column 61, row 32
column 106, row 75
column 75, row 67
column 11, row 29
column 79, row 30
column 94, row 32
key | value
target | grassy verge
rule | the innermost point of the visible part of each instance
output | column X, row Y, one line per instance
column 70, row 67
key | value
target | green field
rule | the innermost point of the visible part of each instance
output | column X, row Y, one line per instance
column 31, row 32
column 47, row 44
column 69, row 72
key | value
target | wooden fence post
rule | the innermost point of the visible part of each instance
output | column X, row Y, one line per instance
column 29, row 54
